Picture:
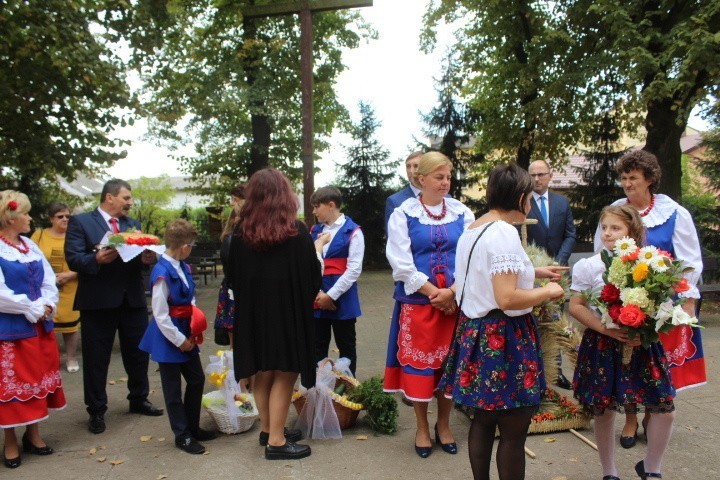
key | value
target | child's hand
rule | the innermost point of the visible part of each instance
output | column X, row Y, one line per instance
column 321, row 241
column 325, row 301
column 187, row 345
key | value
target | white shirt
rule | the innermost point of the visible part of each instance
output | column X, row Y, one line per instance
column 536, row 196
column 587, row 275
column 356, row 252
column 498, row 251
column 107, row 218
column 398, row 248
column 160, row 308
column 10, row 302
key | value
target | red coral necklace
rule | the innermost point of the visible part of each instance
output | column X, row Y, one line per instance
column 650, row 207
column 432, row 215
column 25, row 248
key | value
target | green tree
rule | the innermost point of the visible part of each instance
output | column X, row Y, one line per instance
column 363, row 182
column 599, row 186
column 62, row 93
column 231, row 86
column 449, row 125
column 150, row 196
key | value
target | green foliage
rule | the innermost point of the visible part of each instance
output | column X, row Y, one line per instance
column 382, row 408
column 231, row 86
column 599, row 187
column 702, row 203
column 363, row 181
column 450, row 122
column 150, row 196
column 62, row 93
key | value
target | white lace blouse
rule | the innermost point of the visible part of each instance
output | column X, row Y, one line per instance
column 498, row 251
column 10, row 302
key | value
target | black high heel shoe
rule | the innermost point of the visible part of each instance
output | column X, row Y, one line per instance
column 640, row 470
column 629, row 442
column 28, row 447
column 12, row 462
column 450, row 448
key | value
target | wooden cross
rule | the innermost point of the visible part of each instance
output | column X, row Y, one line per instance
column 305, row 9
column 523, row 229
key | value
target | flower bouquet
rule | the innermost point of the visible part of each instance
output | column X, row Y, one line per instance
column 641, row 292
column 232, row 410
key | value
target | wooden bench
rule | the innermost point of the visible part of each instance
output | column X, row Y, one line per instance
column 204, row 260
column 710, row 279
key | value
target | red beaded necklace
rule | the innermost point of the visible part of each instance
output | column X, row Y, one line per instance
column 432, row 215
column 25, row 248
column 650, row 207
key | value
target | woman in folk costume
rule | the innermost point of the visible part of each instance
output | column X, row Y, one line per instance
column 29, row 358
column 422, row 236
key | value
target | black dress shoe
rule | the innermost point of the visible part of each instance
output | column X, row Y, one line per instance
column 12, row 462
column 629, row 442
column 450, row 448
column 610, row 477
column 189, row 445
column 291, row 435
column 96, row 424
column 28, row 447
column 203, row 435
column 640, row 470
column 289, row 451
column 563, row 382
column 423, row 452
column 145, row 408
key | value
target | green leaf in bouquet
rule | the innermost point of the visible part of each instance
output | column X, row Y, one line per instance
column 115, row 240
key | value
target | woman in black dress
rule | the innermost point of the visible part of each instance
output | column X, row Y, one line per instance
column 275, row 276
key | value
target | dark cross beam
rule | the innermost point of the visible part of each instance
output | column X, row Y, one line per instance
column 305, row 9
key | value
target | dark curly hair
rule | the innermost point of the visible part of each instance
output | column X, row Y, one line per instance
column 644, row 161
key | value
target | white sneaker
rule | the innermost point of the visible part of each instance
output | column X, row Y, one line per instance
column 72, row 366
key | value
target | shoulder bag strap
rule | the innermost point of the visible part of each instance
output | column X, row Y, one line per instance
column 472, row 249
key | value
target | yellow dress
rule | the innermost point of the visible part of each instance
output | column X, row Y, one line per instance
column 67, row 320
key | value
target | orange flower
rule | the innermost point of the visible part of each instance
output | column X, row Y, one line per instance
column 681, row 286
column 640, row 272
column 631, row 257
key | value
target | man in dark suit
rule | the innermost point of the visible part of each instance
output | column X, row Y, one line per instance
column 412, row 190
column 555, row 230
column 110, row 298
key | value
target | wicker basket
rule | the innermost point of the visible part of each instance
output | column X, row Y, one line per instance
column 346, row 416
column 221, row 416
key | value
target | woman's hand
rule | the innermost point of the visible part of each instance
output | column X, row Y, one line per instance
column 63, row 277
column 554, row 291
column 444, row 300
column 551, row 272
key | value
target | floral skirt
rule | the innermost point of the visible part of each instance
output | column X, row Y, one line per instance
column 601, row 380
column 225, row 312
column 495, row 363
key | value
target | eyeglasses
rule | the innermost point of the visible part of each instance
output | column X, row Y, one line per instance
column 539, row 175
column 62, row 216
column 191, row 245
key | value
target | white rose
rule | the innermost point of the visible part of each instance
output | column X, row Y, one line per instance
column 680, row 317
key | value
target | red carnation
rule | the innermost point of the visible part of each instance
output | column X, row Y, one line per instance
column 496, row 342
column 681, row 286
column 12, row 205
column 610, row 294
column 631, row 257
column 632, row 316
column 614, row 311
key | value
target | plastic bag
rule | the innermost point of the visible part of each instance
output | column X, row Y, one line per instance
column 223, row 377
column 342, row 366
column 318, row 419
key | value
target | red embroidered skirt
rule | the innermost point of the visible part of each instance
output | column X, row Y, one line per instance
column 30, row 382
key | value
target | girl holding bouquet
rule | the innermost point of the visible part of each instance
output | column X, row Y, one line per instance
column 603, row 384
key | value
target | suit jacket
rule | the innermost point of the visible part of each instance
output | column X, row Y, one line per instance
column 394, row 201
column 101, row 286
column 558, row 239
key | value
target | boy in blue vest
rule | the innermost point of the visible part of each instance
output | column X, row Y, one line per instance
column 337, row 305
column 168, row 339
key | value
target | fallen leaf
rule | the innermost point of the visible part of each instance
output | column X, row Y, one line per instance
column 111, row 382
column 573, row 459
column 103, row 447
column 161, row 477
column 206, row 452
column 361, row 437
column 549, row 440
column 161, row 439
column 145, row 438
column 560, row 478
column 93, row 450
column 335, row 350
column 101, row 459
column 122, row 379
column 116, row 462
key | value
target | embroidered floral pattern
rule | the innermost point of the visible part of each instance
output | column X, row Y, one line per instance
column 409, row 353
column 506, row 263
column 13, row 388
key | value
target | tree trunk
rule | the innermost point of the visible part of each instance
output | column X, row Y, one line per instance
column 663, row 140
column 260, row 123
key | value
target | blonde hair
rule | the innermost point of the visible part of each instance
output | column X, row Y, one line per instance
column 430, row 162
column 22, row 205
column 630, row 217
